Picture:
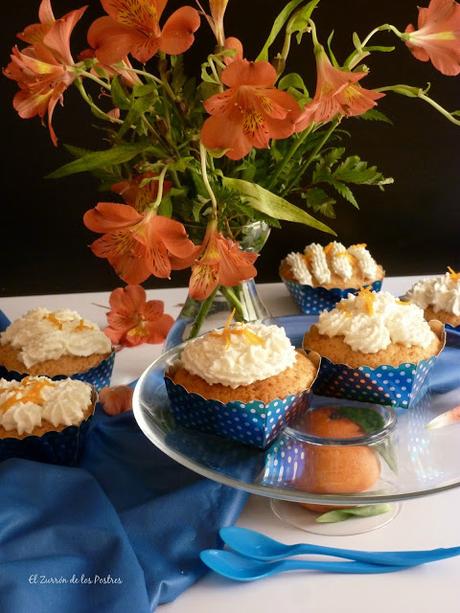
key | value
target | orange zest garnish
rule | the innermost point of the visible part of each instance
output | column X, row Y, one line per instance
column 26, row 391
column 251, row 337
column 81, row 326
column 328, row 248
column 455, row 276
column 362, row 245
column 51, row 317
column 402, row 302
column 368, row 297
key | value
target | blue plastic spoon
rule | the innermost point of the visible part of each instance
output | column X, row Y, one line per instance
column 260, row 547
column 239, row 568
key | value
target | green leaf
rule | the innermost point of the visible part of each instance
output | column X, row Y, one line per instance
column 265, row 201
column 374, row 115
column 166, row 207
column 119, row 95
column 298, row 24
column 356, row 41
column 329, row 48
column 342, row 514
column 320, row 201
column 344, row 191
column 99, row 159
column 278, row 26
column 380, row 48
column 293, row 79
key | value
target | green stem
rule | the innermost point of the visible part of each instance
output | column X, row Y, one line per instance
column 420, row 93
column 312, row 156
column 202, row 313
column 204, row 176
column 99, row 112
column 161, row 182
column 97, row 80
column 233, row 301
column 294, row 147
column 146, row 74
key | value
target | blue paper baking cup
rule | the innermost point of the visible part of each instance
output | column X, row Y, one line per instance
column 252, row 423
column 53, row 447
column 284, row 463
column 99, row 376
column 397, row 386
column 314, row 300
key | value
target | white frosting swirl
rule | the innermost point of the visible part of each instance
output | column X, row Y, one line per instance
column 299, row 268
column 46, row 335
column 366, row 262
column 25, row 404
column 440, row 293
column 240, row 362
column 318, row 263
column 341, row 260
column 370, row 324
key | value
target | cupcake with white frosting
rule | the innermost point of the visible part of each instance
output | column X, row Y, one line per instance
column 439, row 297
column 375, row 348
column 56, row 344
column 44, row 420
column 321, row 276
column 244, row 382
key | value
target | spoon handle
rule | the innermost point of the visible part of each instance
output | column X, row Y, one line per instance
column 396, row 558
column 333, row 567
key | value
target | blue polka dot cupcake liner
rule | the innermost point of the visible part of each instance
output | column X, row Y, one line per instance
column 314, row 300
column 99, row 376
column 253, row 423
column 397, row 386
column 53, row 447
column 284, row 463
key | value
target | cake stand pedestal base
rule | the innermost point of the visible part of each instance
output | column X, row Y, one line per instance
column 295, row 515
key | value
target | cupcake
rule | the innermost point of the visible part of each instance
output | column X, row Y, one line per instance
column 56, row 344
column 319, row 277
column 374, row 348
column 244, row 382
column 439, row 298
column 42, row 419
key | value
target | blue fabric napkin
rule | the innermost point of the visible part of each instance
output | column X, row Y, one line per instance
column 120, row 533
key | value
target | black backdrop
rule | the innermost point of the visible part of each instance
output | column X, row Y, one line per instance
column 413, row 227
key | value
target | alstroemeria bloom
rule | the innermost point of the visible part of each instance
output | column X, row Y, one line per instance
column 43, row 71
column 138, row 245
column 137, row 196
column 337, row 93
column 117, row 399
column 133, row 26
column 222, row 263
column 216, row 21
column 438, row 36
column 123, row 68
column 250, row 113
column 234, row 44
column 134, row 320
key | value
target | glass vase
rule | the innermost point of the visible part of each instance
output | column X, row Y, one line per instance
column 198, row 317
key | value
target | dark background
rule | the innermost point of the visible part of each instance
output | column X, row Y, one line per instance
column 413, row 227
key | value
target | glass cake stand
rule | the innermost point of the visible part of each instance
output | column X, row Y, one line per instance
column 416, row 461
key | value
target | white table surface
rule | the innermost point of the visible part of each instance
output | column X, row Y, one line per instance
column 422, row 524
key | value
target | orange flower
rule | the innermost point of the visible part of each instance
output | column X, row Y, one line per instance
column 438, row 36
column 337, row 93
column 43, row 71
column 138, row 245
column 123, row 68
column 234, row 44
column 134, row 320
column 222, row 263
column 216, row 19
column 250, row 113
column 137, row 196
column 133, row 26
column 116, row 400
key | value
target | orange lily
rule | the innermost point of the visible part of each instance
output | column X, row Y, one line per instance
column 337, row 93
column 133, row 26
column 137, row 196
column 222, row 263
column 134, row 320
column 250, row 113
column 438, row 36
column 138, row 245
column 43, row 71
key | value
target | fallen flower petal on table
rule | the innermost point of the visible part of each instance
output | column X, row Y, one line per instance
column 116, row 400
column 133, row 320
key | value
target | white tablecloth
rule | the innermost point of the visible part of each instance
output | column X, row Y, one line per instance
column 422, row 524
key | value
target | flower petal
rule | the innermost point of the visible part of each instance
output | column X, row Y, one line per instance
column 173, row 235
column 58, row 36
column 112, row 41
column 236, row 45
column 110, row 216
column 203, row 280
column 218, row 132
column 243, row 72
column 178, row 32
